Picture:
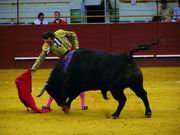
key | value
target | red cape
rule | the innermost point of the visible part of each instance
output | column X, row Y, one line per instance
column 24, row 87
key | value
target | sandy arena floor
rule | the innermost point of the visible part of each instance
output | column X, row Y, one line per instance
column 162, row 85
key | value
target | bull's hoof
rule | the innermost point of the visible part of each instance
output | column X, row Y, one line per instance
column 148, row 114
column 65, row 109
column 115, row 116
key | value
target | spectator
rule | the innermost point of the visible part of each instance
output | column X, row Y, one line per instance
column 165, row 12
column 57, row 19
column 40, row 20
column 176, row 12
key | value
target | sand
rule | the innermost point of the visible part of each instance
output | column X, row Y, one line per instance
column 162, row 85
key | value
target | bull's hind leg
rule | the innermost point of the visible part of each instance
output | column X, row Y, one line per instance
column 121, row 98
column 141, row 93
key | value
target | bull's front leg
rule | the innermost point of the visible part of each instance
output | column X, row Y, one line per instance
column 121, row 98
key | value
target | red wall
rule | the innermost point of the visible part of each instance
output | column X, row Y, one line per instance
column 26, row 41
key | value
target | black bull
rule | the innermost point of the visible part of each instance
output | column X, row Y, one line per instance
column 95, row 70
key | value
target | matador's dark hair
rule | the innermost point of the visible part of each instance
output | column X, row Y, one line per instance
column 48, row 34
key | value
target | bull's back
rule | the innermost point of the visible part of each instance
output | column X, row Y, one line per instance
column 94, row 69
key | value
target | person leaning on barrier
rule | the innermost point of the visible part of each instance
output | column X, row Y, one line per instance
column 40, row 19
column 57, row 19
column 58, row 43
column 166, row 13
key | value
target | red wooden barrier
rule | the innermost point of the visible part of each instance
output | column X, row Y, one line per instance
column 26, row 41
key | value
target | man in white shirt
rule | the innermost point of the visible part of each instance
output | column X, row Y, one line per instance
column 40, row 20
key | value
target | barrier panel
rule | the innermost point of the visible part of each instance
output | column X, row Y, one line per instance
column 20, row 45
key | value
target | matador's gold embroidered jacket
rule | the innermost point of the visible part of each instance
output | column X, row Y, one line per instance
column 63, row 42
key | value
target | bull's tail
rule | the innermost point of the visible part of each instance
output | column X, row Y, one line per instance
column 144, row 46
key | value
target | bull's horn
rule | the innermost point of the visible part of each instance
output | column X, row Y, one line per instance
column 42, row 90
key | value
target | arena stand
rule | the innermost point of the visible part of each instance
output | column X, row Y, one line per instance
column 20, row 45
column 24, row 12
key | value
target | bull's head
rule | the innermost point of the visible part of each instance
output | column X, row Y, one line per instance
column 56, row 93
column 53, row 92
